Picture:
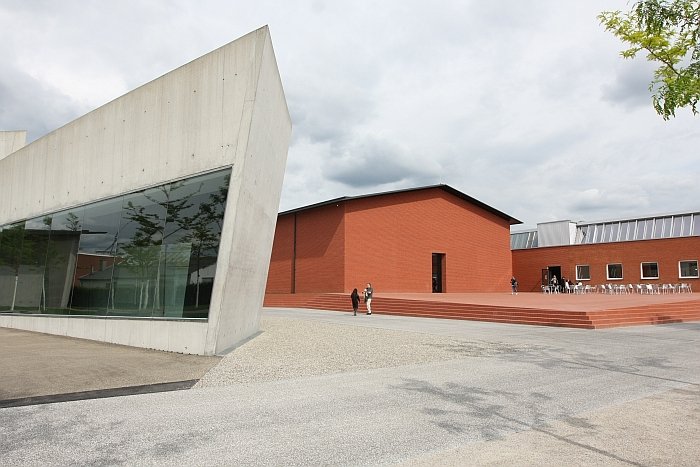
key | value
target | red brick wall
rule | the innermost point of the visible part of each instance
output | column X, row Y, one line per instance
column 320, row 249
column 390, row 240
column 527, row 264
column 279, row 278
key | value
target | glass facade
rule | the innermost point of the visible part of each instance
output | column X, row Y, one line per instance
column 150, row 253
column 671, row 226
column 682, row 225
column 522, row 240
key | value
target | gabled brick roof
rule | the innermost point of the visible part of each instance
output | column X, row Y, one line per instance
column 447, row 188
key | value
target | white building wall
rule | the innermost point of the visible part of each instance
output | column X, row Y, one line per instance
column 225, row 109
column 556, row 233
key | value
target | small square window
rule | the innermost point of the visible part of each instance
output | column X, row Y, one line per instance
column 688, row 269
column 614, row 271
column 650, row 270
column 583, row 272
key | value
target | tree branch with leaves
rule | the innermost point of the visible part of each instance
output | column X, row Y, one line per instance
column 668, row 32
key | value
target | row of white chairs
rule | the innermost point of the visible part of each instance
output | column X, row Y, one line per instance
column 617, row 289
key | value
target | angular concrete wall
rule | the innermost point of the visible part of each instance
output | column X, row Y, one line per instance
column 224, row 109
column 11, row 141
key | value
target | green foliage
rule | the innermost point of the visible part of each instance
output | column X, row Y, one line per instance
column 668, row 32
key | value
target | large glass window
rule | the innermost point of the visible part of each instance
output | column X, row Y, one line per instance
column 650, row 270
column 192, row 236
column 29, row 294
column 614, row 271
column 688, row 269
column 149, row 253
column 10, row 262
column 61, row 260
column 137, row 275
column 583, row 272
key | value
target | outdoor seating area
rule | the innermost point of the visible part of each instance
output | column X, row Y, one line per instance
column 618, row 289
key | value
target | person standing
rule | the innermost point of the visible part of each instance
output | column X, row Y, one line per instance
column 514, row 286
column 368, row 297
column 555, row 284
column 355, row 298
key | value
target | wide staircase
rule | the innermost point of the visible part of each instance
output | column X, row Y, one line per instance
column 648, row 314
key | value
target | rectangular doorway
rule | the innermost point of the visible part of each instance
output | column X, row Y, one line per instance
column 438, row 272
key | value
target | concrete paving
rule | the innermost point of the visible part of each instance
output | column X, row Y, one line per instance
column 35, row 365
column 550, row 396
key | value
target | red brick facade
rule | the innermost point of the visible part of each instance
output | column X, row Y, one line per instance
column 389, row 240
column 528, row 264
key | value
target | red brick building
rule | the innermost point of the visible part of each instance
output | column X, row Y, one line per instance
column 425, row 239
column 660, row 250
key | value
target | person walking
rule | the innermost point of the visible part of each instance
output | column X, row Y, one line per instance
column 355, row 298
column 368, row 297
column 514, row 286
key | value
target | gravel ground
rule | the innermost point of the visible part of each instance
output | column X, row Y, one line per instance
column 291, row 348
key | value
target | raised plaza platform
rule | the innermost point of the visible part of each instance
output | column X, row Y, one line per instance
column 591, row 311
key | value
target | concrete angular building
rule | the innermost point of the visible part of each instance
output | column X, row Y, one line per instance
column 149, row 221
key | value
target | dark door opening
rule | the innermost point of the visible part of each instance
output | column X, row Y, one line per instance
column 438, row 272
column 555, row 271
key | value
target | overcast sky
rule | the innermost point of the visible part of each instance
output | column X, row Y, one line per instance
column 525, row 106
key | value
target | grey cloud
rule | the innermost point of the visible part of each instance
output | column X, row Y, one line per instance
column 631, row 85
column 30, row 105
column 374, row 161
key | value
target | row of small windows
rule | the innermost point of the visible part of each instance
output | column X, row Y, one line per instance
column 641, row 229
column 687, row 269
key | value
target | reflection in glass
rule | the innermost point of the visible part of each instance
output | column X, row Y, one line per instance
column 92, row 283
column 61, row 260
column 192, row 234
column 31, row 294
column 150, row 253
column 137, row 275
column 10, row 260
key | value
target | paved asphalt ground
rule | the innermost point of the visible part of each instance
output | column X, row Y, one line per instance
column 504, row 395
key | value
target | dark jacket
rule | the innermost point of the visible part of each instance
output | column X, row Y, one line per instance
column 355, row 297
